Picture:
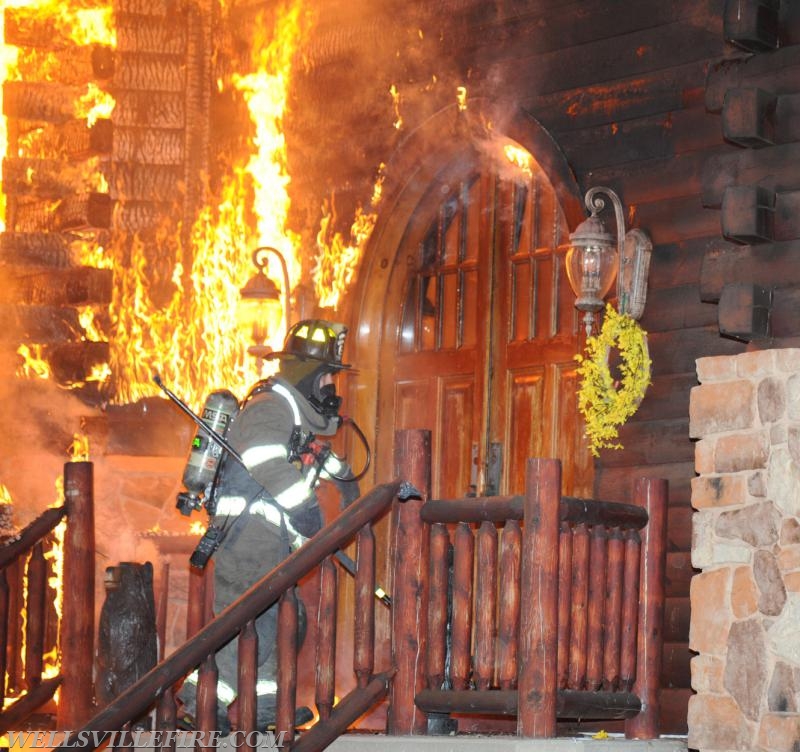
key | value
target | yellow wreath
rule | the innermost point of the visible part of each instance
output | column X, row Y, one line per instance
column 607, row 403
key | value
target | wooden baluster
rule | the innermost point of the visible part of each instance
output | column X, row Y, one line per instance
column 77, row 613
column 208, row 674
column 437, row 609
column 409, row 552
column 287, row 663
column 196, row 603
column 14, row 682
column 596, row 610
column 578, row 616
column 364, row 627
column 630, row 610
column 614, row 580
column 486, row 605
column 162, row 609
column 508, row 615
column 564, row 601
column 4, row 621
column 538, row 628
column 463, row 561
column 652, row 494
column 34, row 624
column 246, row 680
column 326, row 640
column 167, row 717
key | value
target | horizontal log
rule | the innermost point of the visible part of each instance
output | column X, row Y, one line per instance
column 747, row 214
column 678, row 574
column 674, row 709
column 676, row 308
column 569, row 703
column 776, row 71
column 660, row 136
column 138, row 33
column 160, row 8
column 787, row 119
column 748, row 117
column 51, row 102
column 45, row 248
column 149, row 72
column 149, row 146
column 667, row 396
column 141, row 216
column 677, row 175
column 675, row 220
column 637, row 53
column 73, row 212
column 652, row 443
column 72, row 65
column 772, row 168
column 786, row 222
column 51, row 287
column 752, row 25
column 676, row 351
column 502, row 508
column 772, row 265
column 29, row 27
column 74, row 362
column 73, row 140
column 147, row 182
column 677, row 616
column 640, row 95
column 617, row 481
column 675, row 659
column 678, row 264
column 37, row 323
column 46, row 178
column 153, row 109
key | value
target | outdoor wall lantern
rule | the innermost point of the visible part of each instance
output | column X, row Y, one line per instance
column 260, row 309
column 595, row 258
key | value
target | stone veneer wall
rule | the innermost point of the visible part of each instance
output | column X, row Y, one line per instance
column 745, row 601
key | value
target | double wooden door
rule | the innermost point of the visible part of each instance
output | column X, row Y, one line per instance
column 487, row 333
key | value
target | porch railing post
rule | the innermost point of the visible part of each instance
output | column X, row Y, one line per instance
column 410, row 553
column 537, row 675
column 76, row 703
column 651, row 493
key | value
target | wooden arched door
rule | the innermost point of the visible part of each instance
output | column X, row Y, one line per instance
column 480, row 331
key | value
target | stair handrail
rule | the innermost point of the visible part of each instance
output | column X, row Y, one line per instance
column 137, row 698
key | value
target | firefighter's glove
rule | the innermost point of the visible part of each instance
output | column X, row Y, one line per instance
column 348, row 491
column 307, row 518
column 317, row 453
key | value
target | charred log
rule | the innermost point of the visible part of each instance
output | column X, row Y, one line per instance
column 74, row 139
column 73, row 362
column 149, row 34
column 46, row 248
column 149, row 146
column 37, row 323
column 149, row 72
column 138, row 216
column 47, row 287
column 73, row 65
column 43, row 178
column 155, row 109
column 53, row 103
column 138, row 182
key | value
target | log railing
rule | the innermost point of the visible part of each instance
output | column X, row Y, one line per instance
column 559, row 617
column 22, row 652
column 236, row 621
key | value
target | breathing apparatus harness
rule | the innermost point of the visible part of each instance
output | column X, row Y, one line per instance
column 206, row 458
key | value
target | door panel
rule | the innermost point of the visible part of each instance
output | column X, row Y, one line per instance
column 489, row 327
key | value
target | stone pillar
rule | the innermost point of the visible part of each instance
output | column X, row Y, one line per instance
column 745, row 620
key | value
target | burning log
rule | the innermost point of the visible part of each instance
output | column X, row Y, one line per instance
column 157, row 109
column 72, row 140
column 80, row 286
column 51, row 102
column 37, row 323
column 137, row 216
column 149, row 146
column 139, row 33
column 47, row 248
column 42, row 178
column 73, row 66
column 76, row 212
column 149, row 72
column 138, row 182
column 73, row 362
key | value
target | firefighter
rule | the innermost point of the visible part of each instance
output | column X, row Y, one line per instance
column 267, row 506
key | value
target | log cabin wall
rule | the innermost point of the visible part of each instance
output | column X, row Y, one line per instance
column 685, row 109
